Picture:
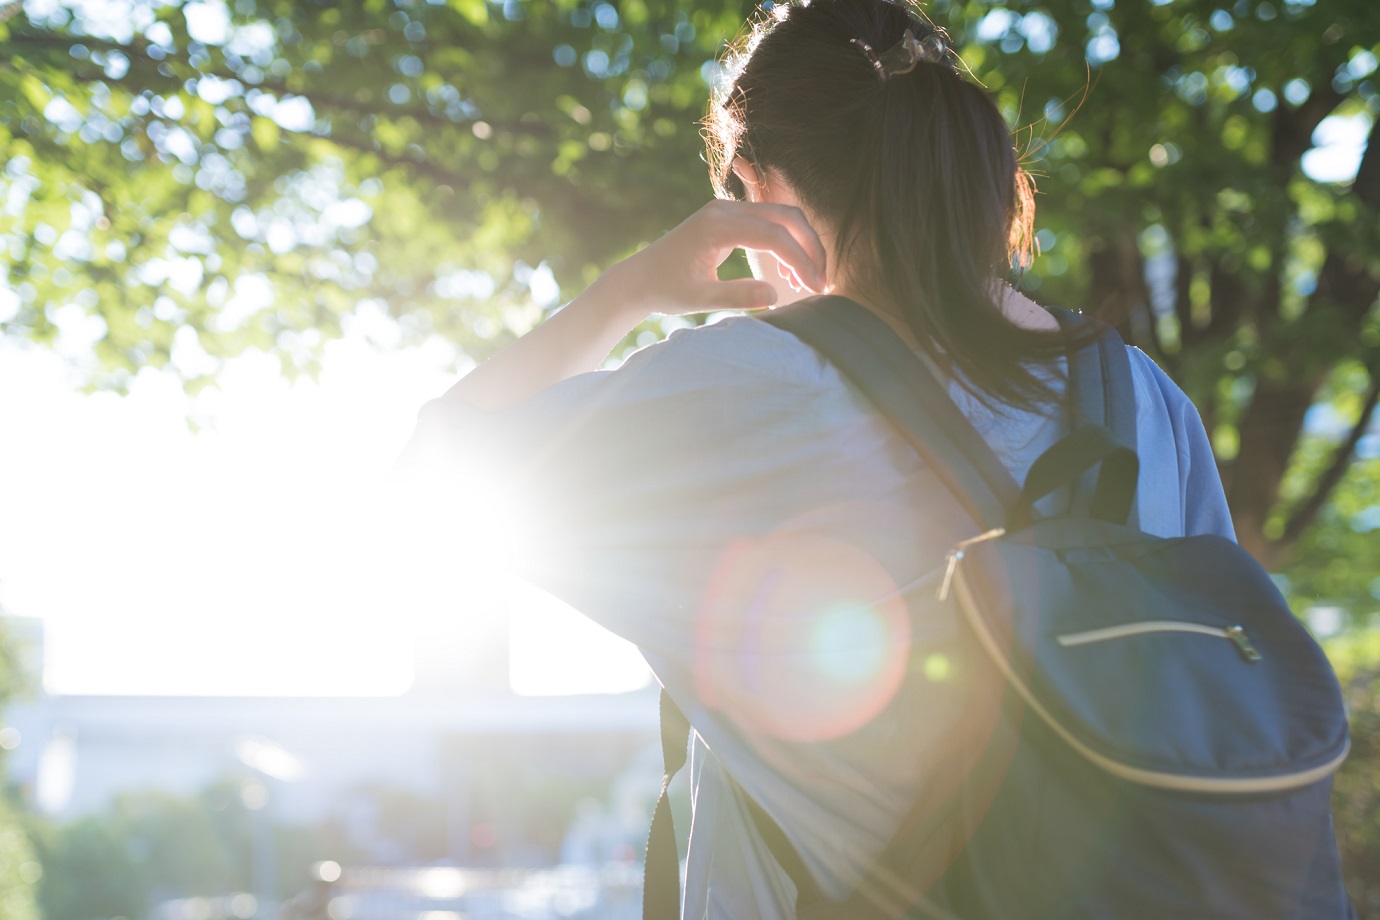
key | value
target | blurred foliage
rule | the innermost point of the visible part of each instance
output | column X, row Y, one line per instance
column 1175, row 203
column 1338, row 561
column 525, row 811
column 152, row 846
column 339, row 151
column 187, row 181
column 1356, row 792
column 520, row 817
column 146, row 848
column 20, row 869
column 88, row 873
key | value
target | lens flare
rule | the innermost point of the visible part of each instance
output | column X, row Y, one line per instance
column 800, row 636
column 936, row 667
column 849, row 644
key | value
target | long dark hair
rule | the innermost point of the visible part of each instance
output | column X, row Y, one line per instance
column 917, row 174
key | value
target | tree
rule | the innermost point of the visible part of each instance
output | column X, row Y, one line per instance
column 424, row 157
column 20, row 870
column 148, row 847
column 1179, row 208
column 342, row 152
column 87, row 872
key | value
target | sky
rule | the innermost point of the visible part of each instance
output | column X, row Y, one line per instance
column 241, row 558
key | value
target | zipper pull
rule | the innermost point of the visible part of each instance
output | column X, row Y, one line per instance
column 1243, row 644
column 956, row 556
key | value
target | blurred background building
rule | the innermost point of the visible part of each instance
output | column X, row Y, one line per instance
column 460, row 772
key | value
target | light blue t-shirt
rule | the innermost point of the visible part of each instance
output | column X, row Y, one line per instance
column 729, row 504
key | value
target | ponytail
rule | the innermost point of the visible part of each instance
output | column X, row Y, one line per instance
column 915, row 172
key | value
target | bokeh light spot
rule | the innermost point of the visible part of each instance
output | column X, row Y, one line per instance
column 937, row 667
column 328, row 870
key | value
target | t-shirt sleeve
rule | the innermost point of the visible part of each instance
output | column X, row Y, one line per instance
column 624, row 485
column 1202, row 500
column 1205, row 501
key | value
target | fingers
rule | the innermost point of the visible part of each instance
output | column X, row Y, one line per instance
column 793, row 219
column 781, row 230
column 744, row 294
column 780, row 242
column 740, row 294
column 785, row 273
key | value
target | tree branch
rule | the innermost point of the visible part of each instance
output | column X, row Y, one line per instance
column 421, row 167
column 1183, row 307
column 1291, row 131
column 1117, row 290
column 325, row 101
column 1271, row 426
column 1154, row 342
column 31, row 36
column 1344, row 280
column 1291, row 134
column 1269, row 430
column 1304, row 515
column 1229, row 299
column 320, row 100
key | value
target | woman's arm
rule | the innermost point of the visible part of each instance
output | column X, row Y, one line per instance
column 677, row 274
column 576, row 339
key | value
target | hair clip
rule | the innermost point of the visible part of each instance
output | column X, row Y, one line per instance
column 907, row 54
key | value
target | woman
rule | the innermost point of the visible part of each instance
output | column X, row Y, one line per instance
column 727, row 502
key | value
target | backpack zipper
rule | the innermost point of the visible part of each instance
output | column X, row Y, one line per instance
column 1154, row 778
column 1236, row 634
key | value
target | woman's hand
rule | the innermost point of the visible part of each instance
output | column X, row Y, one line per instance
column 676, row 274
column 679, row 272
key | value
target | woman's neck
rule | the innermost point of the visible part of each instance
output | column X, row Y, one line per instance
column 1015, row 306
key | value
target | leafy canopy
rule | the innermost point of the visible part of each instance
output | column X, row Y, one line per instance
column 185, row 181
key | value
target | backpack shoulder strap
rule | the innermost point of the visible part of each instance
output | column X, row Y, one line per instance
column 875, row 360
column 661, row 870
column 1101, row 390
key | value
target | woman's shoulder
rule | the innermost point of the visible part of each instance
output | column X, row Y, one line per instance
column 728, row 351
column 1178, row 466
column 1157, row 393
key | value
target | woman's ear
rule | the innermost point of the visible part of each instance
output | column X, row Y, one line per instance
column 747, row 174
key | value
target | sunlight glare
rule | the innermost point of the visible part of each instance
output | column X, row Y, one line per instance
column 273, row 551
column 555, row 651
